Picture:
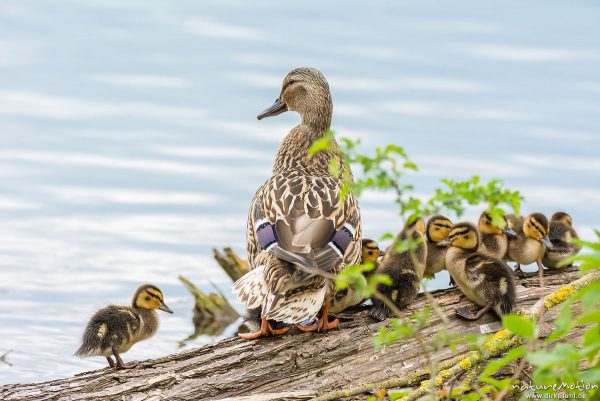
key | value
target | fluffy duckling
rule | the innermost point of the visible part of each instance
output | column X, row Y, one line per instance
column 347, row 297
column 561, row 233
column 404, row 268
column 438, row 228
column 301, row 230
column 485, row 280
column 494, row 239
column 530, row 244
column 115, row 329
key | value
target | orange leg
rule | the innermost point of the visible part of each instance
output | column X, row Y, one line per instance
column 322, row 324
column 265, row 330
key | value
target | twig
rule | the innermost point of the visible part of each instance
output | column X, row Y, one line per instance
column 3, row 358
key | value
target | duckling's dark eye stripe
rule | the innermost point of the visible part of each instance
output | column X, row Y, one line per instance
column 154, row 295
column 457, row 233
column 537, row 227
column 373, row 247
column 442, row 225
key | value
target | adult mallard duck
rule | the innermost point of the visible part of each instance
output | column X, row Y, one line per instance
column 301, row 231
column 115, row 329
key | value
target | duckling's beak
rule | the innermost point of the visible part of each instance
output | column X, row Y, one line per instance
column 277, row 108
column 509, row 232
column 165, row 308
column 444, row 242
column 381, row 253
column 547, row 242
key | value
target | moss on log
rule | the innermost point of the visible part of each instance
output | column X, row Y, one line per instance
column 295, row 366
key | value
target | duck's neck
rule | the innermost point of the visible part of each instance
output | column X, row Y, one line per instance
column 149, row 321
column 293, row 154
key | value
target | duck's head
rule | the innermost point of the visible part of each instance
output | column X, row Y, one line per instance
column 370, row 251
column 150, row 297
column 486, row 226
column 463, row 235
column 536, row 227
column 305, row 91
column 562, row 217
column 438, row 228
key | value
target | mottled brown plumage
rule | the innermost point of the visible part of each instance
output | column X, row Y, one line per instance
column 561, row 232
column 115, row 329
column 405, row 269
column 300, row 204
column 485, row 280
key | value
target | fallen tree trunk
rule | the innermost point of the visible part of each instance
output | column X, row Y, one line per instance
column 295, row 366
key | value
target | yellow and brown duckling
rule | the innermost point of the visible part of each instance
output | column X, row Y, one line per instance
column 531, row 242
column 302, row 231
column 347, row 297
column 438, row 228
column 405, row 269
column 484, row 280
column 494, row 239
column 115, row 329
column 561, row 232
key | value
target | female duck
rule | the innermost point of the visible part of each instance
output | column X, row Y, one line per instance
column 494, row 239
column 301, row 231
column 115, row 329
column 530, row 244
column 405, row 269
column 438, row 228
column 484, row 280
column 561, row 233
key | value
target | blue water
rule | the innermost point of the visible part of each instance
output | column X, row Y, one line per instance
column 129, row 145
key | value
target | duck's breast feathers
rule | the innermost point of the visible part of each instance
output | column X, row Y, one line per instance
column 110, row 326
column 304, row 220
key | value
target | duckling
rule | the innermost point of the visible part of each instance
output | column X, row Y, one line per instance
column 438, row 228
column 493, row 240
column 115, row 329
column 530, row 243
column 485, row 280
column 347, row 297
column 405, row 269
column 561, row 233
column 301, row 230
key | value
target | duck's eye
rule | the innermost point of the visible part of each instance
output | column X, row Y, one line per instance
column 465, row 236
column 147, row 299
column 370, row 253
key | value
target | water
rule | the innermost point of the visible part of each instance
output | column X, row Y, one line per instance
column 129, row 145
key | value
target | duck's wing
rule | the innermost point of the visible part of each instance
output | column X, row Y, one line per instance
column 305, row 220
column 252, row 244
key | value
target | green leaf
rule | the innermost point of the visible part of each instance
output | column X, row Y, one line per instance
column 519, row 325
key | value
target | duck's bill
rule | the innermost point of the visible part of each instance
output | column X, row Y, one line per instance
column 444, row 242
column 165, row 308
column 547, row 242
column 509, row 231
column 277, row 108
column 381, row 253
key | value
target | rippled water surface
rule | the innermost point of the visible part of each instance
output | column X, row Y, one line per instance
column 129, row 145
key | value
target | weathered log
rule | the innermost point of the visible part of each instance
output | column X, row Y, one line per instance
column 231, row 263
column 295, row 366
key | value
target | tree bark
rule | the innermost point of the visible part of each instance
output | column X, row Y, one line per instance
column 295, row 366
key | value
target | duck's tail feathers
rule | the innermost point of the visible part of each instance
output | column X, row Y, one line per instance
column 297, row 307
column 379, row 311
column 251, row 289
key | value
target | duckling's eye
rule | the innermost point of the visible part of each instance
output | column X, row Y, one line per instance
column 370, row 253
column 147, row 299
column 465, row 236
